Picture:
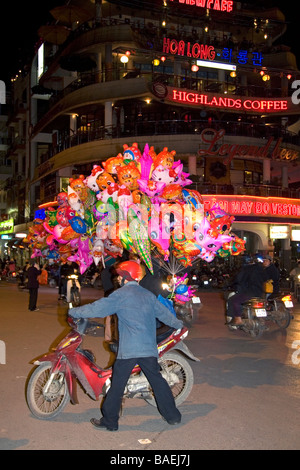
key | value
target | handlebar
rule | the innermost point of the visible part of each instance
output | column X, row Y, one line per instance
column 84, row 326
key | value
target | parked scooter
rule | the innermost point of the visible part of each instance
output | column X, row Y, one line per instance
column 51, row 385
column 258, row 312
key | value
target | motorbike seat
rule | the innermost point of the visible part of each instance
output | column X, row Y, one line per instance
column 161, row 334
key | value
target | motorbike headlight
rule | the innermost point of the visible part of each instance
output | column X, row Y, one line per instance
column 164, row 286
column 73, row 276
column 298, row 276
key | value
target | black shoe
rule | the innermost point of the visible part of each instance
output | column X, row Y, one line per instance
column 173, row 421
column 98, row 424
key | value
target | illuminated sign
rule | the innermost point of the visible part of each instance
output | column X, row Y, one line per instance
column 217, row 5
column 265, row 207
column 204, row 51
column 212, row 136
column 215, row 65
column 280, row 232
column 2, row 92
column 40, row 66
column 7, row 226
column 295, row 236
column 182, row 48
column 218, row 101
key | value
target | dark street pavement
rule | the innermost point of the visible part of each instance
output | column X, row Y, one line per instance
column 246, row 392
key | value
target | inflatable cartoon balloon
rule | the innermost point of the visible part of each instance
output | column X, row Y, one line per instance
column 78, row 225
column 135, row 201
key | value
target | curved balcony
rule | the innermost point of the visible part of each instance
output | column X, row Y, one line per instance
column 148, row 129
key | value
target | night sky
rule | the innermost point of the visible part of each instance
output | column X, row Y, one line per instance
column 21, row 20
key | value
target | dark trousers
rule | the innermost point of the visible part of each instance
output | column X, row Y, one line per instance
column 33, row 294
column 234, row 304
column 121, row 371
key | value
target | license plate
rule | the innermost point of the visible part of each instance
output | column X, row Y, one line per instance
column 196, row 300
column 288, row 304
column 260, row 312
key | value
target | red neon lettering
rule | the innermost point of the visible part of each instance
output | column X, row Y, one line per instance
column 173, row 46
column 225, row 5
column 196, row 50
column 181, row 48
column 166, row 45
column 190, row 97
column 262, row 208
column 217, row 5
column 246, row 207
column 235, row 207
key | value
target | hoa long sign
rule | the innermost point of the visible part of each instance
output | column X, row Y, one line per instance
column 255, row 206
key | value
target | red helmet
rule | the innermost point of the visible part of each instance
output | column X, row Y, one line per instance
column 130, row 270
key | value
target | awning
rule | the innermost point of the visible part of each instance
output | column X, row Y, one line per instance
column 294, row 128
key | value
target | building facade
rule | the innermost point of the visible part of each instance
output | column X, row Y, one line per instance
column 208, row 79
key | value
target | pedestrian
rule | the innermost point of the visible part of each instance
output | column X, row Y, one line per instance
column 110, row 329
column 294, row 273
column 33, row 285
column 249, row 282
column 137, row 310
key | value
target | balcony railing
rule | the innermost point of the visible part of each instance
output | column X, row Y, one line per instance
column 184, row 80
column 168, row 127
column 261, row 190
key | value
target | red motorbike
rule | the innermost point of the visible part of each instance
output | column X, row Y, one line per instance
column 52, row 384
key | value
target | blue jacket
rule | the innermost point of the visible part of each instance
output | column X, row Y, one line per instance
column 137, row 310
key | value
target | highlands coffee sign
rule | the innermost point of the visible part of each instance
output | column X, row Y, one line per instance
column 226, row 102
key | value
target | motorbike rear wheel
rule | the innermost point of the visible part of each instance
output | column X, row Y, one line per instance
column 254, row 328
column 175, row 363
column 282, row 317
column 46, row 405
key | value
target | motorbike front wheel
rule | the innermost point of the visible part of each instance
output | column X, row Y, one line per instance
column 174, row 363
column 75, row 297
column 46, row 404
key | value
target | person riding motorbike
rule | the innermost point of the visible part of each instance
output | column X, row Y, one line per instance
column 66, row 270
column 137, row 310
column 249, row 282
column 272, row 274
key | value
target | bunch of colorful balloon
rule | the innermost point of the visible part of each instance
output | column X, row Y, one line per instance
column 134, row 201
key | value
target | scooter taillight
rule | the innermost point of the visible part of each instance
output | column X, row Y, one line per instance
column 286, row 298
column 258, row 304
